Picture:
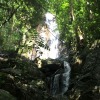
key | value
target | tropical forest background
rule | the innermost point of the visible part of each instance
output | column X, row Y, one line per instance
column 79, row 26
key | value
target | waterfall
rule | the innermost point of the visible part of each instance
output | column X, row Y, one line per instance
column 47, row 44
column 54, row 87
column 60, row 80
column 53, row 40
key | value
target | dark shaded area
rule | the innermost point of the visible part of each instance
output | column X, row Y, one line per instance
column 50, row 69
column 20, row 77
column 24, row 81
column 84, row 83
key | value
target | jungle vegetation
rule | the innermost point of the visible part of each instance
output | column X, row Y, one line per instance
column 79, row 24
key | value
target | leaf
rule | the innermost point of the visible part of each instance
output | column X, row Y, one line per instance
column 65, row 5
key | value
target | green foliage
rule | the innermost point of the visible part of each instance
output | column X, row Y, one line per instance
column 18, row 21
column 77, row 17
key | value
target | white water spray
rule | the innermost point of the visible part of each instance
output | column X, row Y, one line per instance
column 53, row 41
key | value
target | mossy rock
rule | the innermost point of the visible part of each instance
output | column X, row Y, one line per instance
column 5, row 95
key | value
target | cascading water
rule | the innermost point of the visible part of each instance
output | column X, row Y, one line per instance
column 53, row 40
column 60, row 81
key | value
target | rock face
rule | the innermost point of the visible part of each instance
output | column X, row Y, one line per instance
column 90, row 81
column 92, row 64
column 5, row 95
column 50, row 69
column 23, row 81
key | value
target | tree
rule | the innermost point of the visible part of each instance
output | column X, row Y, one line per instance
column 77, row 21
column 18, row 22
